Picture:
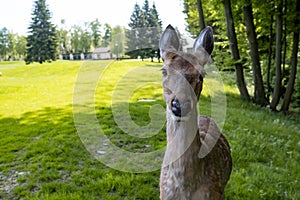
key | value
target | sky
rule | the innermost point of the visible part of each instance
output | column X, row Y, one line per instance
column 15, row 15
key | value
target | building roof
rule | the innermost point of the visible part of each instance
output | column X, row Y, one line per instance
column 102, row 50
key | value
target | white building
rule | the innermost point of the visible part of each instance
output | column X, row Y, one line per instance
column 102, row 53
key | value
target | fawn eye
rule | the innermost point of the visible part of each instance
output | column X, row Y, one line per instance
column 174, row 56
column 164, row 72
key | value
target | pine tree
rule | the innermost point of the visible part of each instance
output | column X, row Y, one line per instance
column 134, row 35
column 42, row 39
column 146, row 12
column 143, row 37
column 156, row 29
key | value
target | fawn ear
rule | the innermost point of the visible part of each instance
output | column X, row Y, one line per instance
column 169, row 41
column 205, row 40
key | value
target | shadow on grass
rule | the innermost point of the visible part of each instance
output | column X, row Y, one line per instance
column 130, row 127
column 42, row 156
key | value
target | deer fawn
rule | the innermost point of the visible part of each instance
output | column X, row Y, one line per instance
column 197, row 162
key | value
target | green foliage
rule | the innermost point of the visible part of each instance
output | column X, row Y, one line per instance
column 296, row 94
column 42, row 38
column 145, row 30
column 117, row 44
column 4, row 41
column 81, row 38
column 11, row 45
column 134, row 37
column 214, row 17
column 265, row 14
column 106, row 39
column 20, row 45
column 63, row 38
column 96, row 33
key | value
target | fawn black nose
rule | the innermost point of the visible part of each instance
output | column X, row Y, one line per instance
column 180, row 109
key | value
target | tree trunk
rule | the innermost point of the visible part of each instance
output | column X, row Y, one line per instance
column 278, row 78
column 284, row 44
column 201, row 14
column 270, row 54
column 293, row 72
column 259, row 93
column 240, row 80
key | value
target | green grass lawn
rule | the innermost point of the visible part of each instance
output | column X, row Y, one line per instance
column 42, row 156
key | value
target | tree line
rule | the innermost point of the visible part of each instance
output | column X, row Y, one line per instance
column 11, row 45
column 254, row 37
column 45, row 41
column 144, row 33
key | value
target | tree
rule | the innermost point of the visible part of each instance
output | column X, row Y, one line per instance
column 42, row 40
column 63, row 39
column 270, row 54
column 192, row 16
column 11, row 47
column 293, row 70
column 278, row 77
column 4, row 41
column 233, row 43
column 146, row 9
column 255, row 20
column 145, row 29
column 155, row 29
column 75, row 38
column 81, row 38
column 201, row 14
column 213, row 13
column 86, row 38
column 134, row 35
column 96, row 33
column 259, row 93
column 20, row 46
column 106, row 39
column 118, row 41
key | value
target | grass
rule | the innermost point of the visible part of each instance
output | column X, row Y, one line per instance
column 43, row 157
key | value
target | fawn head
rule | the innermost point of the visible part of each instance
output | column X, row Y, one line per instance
column 182, row 72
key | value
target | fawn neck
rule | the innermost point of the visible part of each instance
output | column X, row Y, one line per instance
column 183, row 141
